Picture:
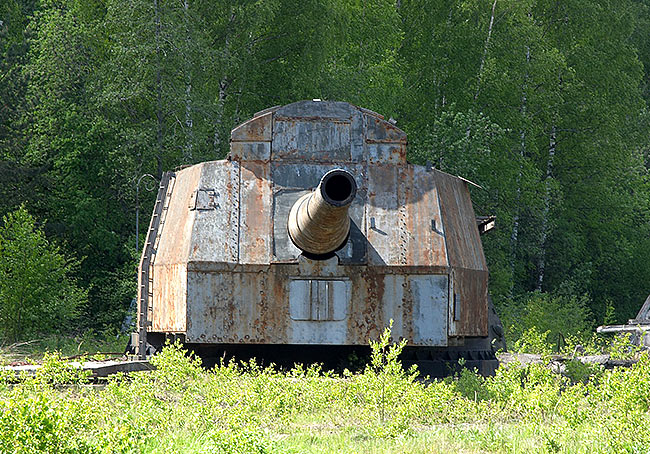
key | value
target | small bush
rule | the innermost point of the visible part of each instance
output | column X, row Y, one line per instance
column 57, row 372
column 238, row 441
column 579, row 372
column 540, row 322
column 175, row 367
column 471, row 386
column 35, row 279
column 40, row 422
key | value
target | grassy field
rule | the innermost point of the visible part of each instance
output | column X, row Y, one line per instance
column 183, row 408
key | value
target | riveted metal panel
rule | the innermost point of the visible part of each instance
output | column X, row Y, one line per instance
column 382, row 225
column 255, row 213
column 424, row 222
column 235, row 307
column 464, row 247
column 216, row 314
column 215, row 233
column 396, row 304
column 468, row 309
column 430, row 302
column 386, row 153
column 315, row 140
column 222, row 312
column 169, row 291
column 250, row 151
column 257, row 129
column 405, row 187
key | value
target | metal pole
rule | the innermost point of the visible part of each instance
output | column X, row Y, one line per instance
column 137, row 206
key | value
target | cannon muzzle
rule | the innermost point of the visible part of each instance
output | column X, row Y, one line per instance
column 319, row 221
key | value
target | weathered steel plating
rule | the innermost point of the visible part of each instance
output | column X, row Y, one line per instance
column 319, row 222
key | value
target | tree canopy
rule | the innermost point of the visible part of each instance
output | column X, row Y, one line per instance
column 542, row 103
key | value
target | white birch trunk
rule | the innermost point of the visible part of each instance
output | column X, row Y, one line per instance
column 541, row 265
column 221, row 97
column 514, row 237
column 485, row 51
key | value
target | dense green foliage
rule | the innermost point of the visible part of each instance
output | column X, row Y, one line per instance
column 544, row 104
column 37, row 292
column 182, row 408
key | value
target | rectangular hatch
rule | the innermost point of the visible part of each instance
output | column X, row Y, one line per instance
column 318, row 299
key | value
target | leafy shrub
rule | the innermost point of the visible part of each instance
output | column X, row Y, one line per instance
column 57, row 372
column 238, row 441
column 39, row 422
column 579, row 372
column 386, row 386
column 471, row 386
column 175, row 367
column 532, row 341
column 35, row 279
column 538, row 322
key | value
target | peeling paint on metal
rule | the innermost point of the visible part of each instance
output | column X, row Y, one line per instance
column 255, row 221
column 257, row 129
column 380, row 131
column 315, row 140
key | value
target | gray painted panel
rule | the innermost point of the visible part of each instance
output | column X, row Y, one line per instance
column 215, row 233
column 386, row 153
column 320, row 109
column 430, row 295
column 357, row 135
column 382, row 225
column 318, row 299
column 300, row 299
column 214, row 312
column 253, row 151
column 283, row 247
column 308, row 332
column 255, row 213
column 393, row 305
column 311, row 140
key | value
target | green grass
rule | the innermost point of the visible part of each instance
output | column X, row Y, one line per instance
column 182, row 408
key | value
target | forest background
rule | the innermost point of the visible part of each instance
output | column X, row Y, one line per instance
column 543, row 103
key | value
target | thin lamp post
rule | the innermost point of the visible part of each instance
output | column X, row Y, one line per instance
column 137, row 206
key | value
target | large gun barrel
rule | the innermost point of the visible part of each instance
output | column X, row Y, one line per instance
column 319, row 222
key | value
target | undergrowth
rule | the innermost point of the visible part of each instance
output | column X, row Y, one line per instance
column 245, row 408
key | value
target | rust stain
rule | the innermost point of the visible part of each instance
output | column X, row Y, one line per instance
column 367, row 311
column 257, row 129
column 256, row 200
column 379, row 130
column 471, row 286
column 407, row 310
